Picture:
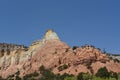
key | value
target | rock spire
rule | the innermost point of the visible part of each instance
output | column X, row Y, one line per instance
column 50, row 34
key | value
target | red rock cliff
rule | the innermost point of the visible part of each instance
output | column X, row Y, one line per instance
column 53, row 53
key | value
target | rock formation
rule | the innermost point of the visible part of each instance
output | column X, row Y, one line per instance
column 53, row 53
column 51, row 35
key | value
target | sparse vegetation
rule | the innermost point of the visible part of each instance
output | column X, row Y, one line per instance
column 103, row 72
column 47, row 74
column 1, row 78
column 63, row 67
column 116, row 60
column 31, row 76
column 75, row 47
column 84, row 76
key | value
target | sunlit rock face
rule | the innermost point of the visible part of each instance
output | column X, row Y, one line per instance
column 52, row 53
column 51, row 35
column 19, row 55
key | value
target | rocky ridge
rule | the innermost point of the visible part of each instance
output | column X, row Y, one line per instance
column 114, row 56
column 53, row 53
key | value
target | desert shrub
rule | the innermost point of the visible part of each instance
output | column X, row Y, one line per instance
column 116, row 60
column 103, row 73
column 75, row 47
column 67, row 50
column 47, row 74
column 87, row 76
column 35, row 74
column 119, row 76
column 42, row 68
column 80, row 76
column 113, row 75
column 17, row 73
column 27, row 77
column 66, row 75
column 30, row 76
column 1, row 78
column 10, row 77
column 99, row 49
column 110, row 58
column 84, row 76
column 98, row 78
column 18, row 78
column 70, row 78
column 63, row 67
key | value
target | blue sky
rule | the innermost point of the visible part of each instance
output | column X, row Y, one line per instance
column 77, row 22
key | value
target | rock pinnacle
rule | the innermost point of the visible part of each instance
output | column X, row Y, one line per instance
column 50, row 34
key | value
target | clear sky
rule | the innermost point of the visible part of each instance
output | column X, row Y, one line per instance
column 77, row 22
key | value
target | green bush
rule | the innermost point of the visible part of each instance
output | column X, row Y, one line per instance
column 17, row 73
column 87, row 76
column 18, row 78
column 47, row 74
column 42, row 68
column 98, row 78
column 75, row 47
column 70, row 78
column 65, row 75
column 30, row 76
column 103, row 73
column 84, row 76
column 80, row 76
column 113, row 75
column 35, row 74
column 119, row 76
column 63, row 67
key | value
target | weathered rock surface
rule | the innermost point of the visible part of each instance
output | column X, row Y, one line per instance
column 53, row 53
column 114, row 56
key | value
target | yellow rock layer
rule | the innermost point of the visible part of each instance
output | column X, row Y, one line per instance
column 48, row 33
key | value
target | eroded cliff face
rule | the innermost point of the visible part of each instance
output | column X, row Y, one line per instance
column 14, row 57
column 10, row 54
column 53, row 53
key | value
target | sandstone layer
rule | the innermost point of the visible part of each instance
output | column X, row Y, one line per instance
column 53, row 53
